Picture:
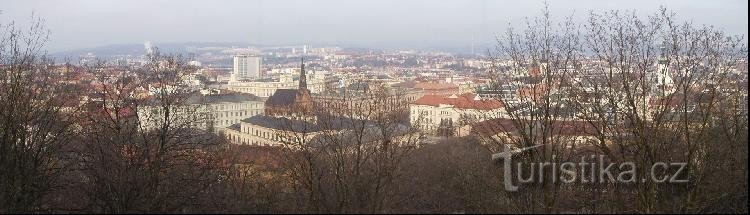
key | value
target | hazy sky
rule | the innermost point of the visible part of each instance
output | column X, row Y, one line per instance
column 365, row 23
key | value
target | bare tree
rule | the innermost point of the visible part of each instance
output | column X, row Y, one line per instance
column 531, row 73
column 144, row 142
column 35, row 125
column 654, row 91
column 349, row 159
column 647, row 91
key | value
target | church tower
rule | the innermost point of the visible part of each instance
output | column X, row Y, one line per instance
column 661, row 79
column 302, row 77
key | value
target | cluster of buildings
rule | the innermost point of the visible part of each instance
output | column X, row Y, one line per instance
column 265, row 99
column 293, row 118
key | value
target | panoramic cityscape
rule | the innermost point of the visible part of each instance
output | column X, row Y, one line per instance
column 373, row 106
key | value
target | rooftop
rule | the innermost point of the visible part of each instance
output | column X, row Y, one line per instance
column 463, row 101
column 282, row 123
column 282, row 97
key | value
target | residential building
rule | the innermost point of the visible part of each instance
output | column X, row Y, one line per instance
column 247, row 66
column 266, row 87
column 455, row 112
column 208, row 111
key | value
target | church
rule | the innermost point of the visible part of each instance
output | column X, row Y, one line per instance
column 291, row 102
column 288, row 112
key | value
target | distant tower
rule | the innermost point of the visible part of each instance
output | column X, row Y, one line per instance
column 302, row 76
column 663, row 66
column 149, row 48
column 304, row 49
column 662, row 79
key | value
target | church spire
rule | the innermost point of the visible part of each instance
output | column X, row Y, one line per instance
column 664, row 56
column 302, row 76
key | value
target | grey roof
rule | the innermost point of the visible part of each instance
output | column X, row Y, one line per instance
column 235, row 127
column 281, row 123
column 323, row 123
column 198, row 98
column 234, row 97
column 230, row 97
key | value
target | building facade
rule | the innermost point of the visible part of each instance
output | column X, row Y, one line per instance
column 205, row 111
column 264, row 88
column 262, row 130
column 431, row 112
column 365, row 105
column 247, row 66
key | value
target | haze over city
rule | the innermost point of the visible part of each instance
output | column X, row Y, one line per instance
column 410, row 24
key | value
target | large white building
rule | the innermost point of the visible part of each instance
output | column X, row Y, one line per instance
column 261, row 130
column 431, row 112
column 247, row 66
column 206, row 111
column 264, row 88
column 231, row 108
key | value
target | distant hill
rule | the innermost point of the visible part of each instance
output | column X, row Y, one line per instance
column 188, row 47
column 139, row 49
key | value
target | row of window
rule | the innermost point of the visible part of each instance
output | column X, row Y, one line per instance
column 237, row 113
column 259, row 133
column 243, row 141
column 254, row 105
column 428, row 112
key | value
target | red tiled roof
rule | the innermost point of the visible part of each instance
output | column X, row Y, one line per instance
column 573, row 128
column 534, row 71
column 464, row 101
column 535, row 91
column 494, row 126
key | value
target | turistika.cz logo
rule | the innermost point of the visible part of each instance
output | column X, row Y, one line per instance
column 592, row 170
